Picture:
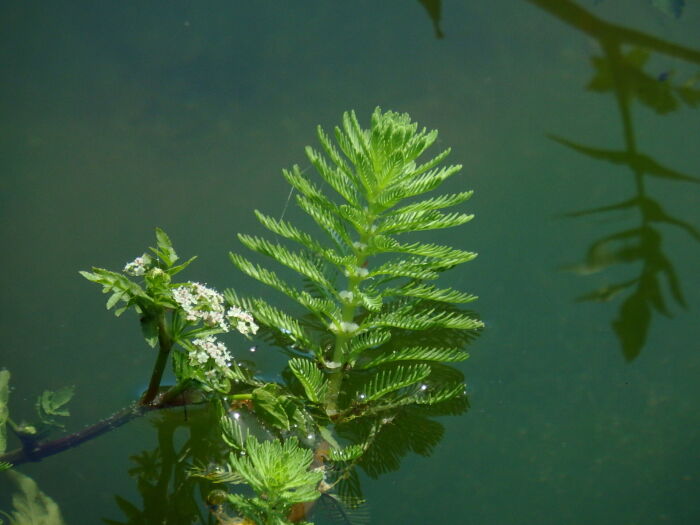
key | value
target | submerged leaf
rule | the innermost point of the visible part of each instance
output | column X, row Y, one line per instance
column 32, row 507
column 52, row 403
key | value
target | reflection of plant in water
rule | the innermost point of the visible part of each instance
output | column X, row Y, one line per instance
column 624, row 76
column 367, row 360
column 30, row 504
column 434, row 10
column 168, row 492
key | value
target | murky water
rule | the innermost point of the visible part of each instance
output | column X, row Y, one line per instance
column 119, row 117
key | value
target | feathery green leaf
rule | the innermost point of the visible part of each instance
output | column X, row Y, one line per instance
column 310, row 377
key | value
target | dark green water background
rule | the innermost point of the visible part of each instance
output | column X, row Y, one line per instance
column 121, row 116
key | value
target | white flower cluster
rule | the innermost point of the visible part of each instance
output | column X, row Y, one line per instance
column 209, row 348
column 201, row 304
column 138, row 266
column 245, row 323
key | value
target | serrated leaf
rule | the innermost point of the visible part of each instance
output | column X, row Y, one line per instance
column 295, row 261
column 164, row 248
column 310, row 377
column 431, row 293
column 367, row 340
column 422, row 221
column 272, row 279
column 403, row 268
column 418, row 353
column 349, row 453
column 437, row 395
column 393, row 379
column 180, row 267
column 422, row 321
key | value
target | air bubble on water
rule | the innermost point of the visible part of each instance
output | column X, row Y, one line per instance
column 253, row 348
column 424, row 387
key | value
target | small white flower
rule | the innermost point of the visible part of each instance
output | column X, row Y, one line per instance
column 244, row 322
column 359, row 246
column 138, row 266
column 201, row 304
column 346, row 296
column 208, row 348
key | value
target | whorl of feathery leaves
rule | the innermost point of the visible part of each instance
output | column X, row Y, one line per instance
column 372, row 172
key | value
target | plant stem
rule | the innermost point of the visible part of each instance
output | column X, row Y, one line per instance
column 165, row 344
column 36, row 451
column 335, row 378
column 170, row 394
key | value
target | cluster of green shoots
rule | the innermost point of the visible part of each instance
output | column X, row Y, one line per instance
column 368, row 339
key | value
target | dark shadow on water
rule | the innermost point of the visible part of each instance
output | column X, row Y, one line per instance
column 434, row 9
column 622, row 75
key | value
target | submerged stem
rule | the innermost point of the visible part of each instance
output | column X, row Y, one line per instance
column 35, row 451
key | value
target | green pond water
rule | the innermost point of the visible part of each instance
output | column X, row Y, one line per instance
column 118, row 117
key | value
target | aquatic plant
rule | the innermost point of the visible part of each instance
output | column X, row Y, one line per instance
column 368, row 355
column 351, row 323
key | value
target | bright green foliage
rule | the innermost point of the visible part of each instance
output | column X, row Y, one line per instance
column 280, row 473
column 367, row 367
column 310, row 377
column 185, row 316
column 154, row 292
column 378, row 184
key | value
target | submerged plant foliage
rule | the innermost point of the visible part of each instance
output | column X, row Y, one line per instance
column 369, row 353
